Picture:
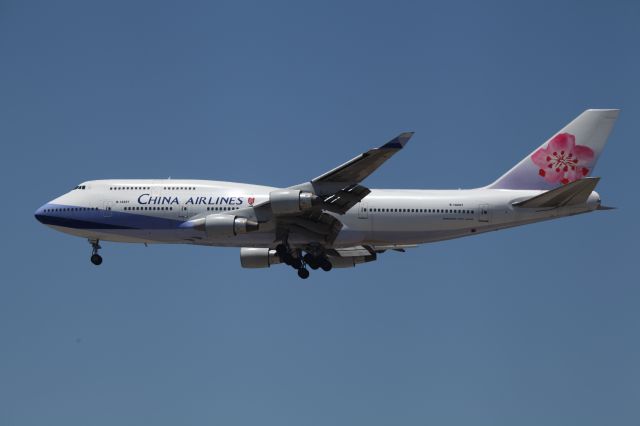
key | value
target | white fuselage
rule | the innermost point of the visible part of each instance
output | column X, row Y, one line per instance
column 158, row 211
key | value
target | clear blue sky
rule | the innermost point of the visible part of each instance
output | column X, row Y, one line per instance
column 536, row 325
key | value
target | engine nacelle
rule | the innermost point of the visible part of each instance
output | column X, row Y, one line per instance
column 291, row 201
column 258, row 257
column 224, row 225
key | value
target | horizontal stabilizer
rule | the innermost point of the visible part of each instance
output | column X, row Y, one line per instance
column 571, row 194
column 606, row 208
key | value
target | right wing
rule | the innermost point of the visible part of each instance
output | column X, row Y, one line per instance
column 351, row 256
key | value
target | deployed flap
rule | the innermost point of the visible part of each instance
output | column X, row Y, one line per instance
column 341, row 201
column 355, row 251
column 358, row 168
column 576, row 192
column 396, row 247
column 370, row 250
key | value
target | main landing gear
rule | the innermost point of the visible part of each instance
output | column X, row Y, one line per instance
column 295, row 259
column 316, row 262
column 96, row 259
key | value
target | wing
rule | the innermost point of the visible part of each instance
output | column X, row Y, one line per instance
column 360, row 167
column 367, row 250
column 351, row 256
column 336, row 191
column 340, row 188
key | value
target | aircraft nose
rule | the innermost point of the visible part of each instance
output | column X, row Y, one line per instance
column 41, row 214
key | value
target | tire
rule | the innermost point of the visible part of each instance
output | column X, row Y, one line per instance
column 326, row 265
column 296, row 263
column 96, row 259
column 311, row 261
column 303, row 273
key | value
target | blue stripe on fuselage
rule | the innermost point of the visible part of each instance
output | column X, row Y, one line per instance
column 85, row 218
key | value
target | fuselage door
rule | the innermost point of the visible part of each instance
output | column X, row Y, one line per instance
column 484, row 213
column 106, row 208
column 363, row 210
column 183, row 212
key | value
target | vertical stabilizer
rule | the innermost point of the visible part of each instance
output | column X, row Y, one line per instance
column 569, row 155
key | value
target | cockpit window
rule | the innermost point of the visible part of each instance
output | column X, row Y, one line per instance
column 81, row 187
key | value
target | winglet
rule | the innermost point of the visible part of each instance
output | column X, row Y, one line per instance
column 399, row 141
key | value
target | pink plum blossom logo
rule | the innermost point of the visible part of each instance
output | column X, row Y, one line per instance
column 562, row 160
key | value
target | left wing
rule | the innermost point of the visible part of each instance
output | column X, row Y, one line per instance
column 360, row 167
column 340, row 187
column 303, row 209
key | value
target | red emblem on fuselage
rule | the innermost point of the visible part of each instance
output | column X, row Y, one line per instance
column 251, row 200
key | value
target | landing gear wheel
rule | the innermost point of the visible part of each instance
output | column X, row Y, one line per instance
column 303, row 273
column 326, row 265
column 96, row 259
column 311, row 261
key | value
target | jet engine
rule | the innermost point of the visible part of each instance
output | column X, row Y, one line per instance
column 291, row 201
column 224, row 225
column 258, row 257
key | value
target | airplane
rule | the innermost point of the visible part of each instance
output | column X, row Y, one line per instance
column 333, row 220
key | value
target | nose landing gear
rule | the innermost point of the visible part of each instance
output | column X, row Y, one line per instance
column 96, row 259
